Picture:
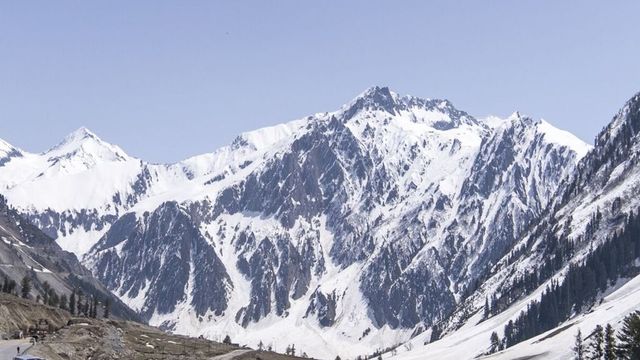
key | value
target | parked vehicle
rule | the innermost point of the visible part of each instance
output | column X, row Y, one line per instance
column 28, row 357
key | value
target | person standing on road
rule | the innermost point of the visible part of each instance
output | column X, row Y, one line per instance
column 18, row 350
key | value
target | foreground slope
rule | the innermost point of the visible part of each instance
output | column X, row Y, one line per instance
column 472, row 339
column 71, row 337
column 350, row 230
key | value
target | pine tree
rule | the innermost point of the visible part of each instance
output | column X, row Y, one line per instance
column 12, row 287
column 107, row 306
column 54, row 300
column 609, row 343
column 495, row 343
column 487, row 310
column 260, row 346
column 596, row 345
column 26, row 287
column 85, row 310
column 94, row 312
column 629, row 337
column 63, row 302
column 293, row 349
column 72, row 302
column 578, row 348
column 45, row 297
column 79, row 304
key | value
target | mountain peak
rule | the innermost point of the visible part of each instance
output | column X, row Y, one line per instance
column 519, row 119
column 374, row 98
column 5, row 146
column 515, row 116
column 563, row 138
column 78, row 135
column 625, row 124
column 551, row 134
column 438, row 113
column 377, row 92
column 8, row 151
column 84, row 141
column 83, row 131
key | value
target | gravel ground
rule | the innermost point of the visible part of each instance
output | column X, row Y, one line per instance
column 99, row 339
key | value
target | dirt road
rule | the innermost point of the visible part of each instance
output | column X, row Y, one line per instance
column 8, row 348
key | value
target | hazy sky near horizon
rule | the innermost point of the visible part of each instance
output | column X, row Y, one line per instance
column 169, row 79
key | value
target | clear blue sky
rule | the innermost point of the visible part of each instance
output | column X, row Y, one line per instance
column 170, row 79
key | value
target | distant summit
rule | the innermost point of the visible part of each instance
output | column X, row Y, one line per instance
column 84, row 143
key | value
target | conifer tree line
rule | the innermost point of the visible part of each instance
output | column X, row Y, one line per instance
column 583, row 282
column 77, row 304
column 604, row 343
column 9, row 286
column 556, row 252
column 291, row 350
column 88, row 305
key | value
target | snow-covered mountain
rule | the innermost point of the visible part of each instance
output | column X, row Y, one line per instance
column 341, row 232
column 596, row 203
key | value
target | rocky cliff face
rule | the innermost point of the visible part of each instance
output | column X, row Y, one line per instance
column 160, row 260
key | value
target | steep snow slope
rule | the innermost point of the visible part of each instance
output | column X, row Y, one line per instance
column 351, row 230
column 473, row 338
column 7, row 151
